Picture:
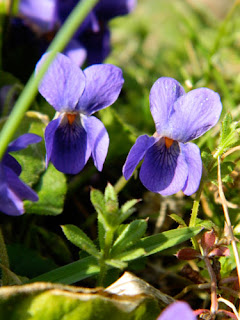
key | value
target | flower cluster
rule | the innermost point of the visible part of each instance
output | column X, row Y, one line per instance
column 170, row 162
column 12, row 190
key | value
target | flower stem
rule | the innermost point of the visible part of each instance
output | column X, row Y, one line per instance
column 59, row 42
column 193, row 218
column 214, row 301
column 120, row 184
column 103, row 266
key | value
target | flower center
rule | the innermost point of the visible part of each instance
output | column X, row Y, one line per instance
column 71, row 117
column 168, row 142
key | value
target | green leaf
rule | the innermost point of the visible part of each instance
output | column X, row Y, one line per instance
column 226, row 127
column 158, row 242
column 229, row 134
column 101, row 233
column 51, row 190
column 110, row 194
column 226, row 168
column 97, row 200
column 72, row 272
column 111, row 204
column 53, row 302
column 116, row 263
column 130, row 235
column 128, row 205
column 178, row 219
column 89, row 266
column 206, row 224
column 80, row 239
column 126, row 210
column 207, row 158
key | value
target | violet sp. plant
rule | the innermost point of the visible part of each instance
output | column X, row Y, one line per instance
column 172, row 163
column 177, row 311
column 12, row 190
column 74, row 135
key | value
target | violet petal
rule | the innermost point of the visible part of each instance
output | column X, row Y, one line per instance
column 98, row 140
column 76, row 52
column 164, row 170
column 12, row 163
column 49, row 137
column 163, row 94
column 103, row 85
column 136, row 154
column 63, row 83
column 20, row 189
column 23, row 142
column 194, row 162
column 108, row 9
column 195, row 113
column 178, row 310
column 68, row 148
column 42, row 13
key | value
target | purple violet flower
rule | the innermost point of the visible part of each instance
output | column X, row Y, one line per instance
column 91, row 41
column 172, row 163
column 177, row 311
column 74, row 134
column 12, row 190
column 42, row 13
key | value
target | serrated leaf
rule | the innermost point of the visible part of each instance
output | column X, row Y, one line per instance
column 110, row 194
column 206, row 224
column 101, row 232
column 97, row 199
column 229, row 134
column 207, row 158
column 126, row 210
column 225, row 129
column 80, row 239
column 159, row 242
column 130, row 235
column 178, row 219
column 51, row 190
column 111, row 204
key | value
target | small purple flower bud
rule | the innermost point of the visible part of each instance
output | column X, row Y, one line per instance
column 188, row 254
column 219, row 252
column 208, row 240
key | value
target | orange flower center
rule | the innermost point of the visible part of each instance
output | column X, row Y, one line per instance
column 71, row 117
column 168, row 142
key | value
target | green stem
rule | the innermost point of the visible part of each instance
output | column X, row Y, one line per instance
column 103, row 266
column 65, row 33
column 120, row 184
column 193, row 218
